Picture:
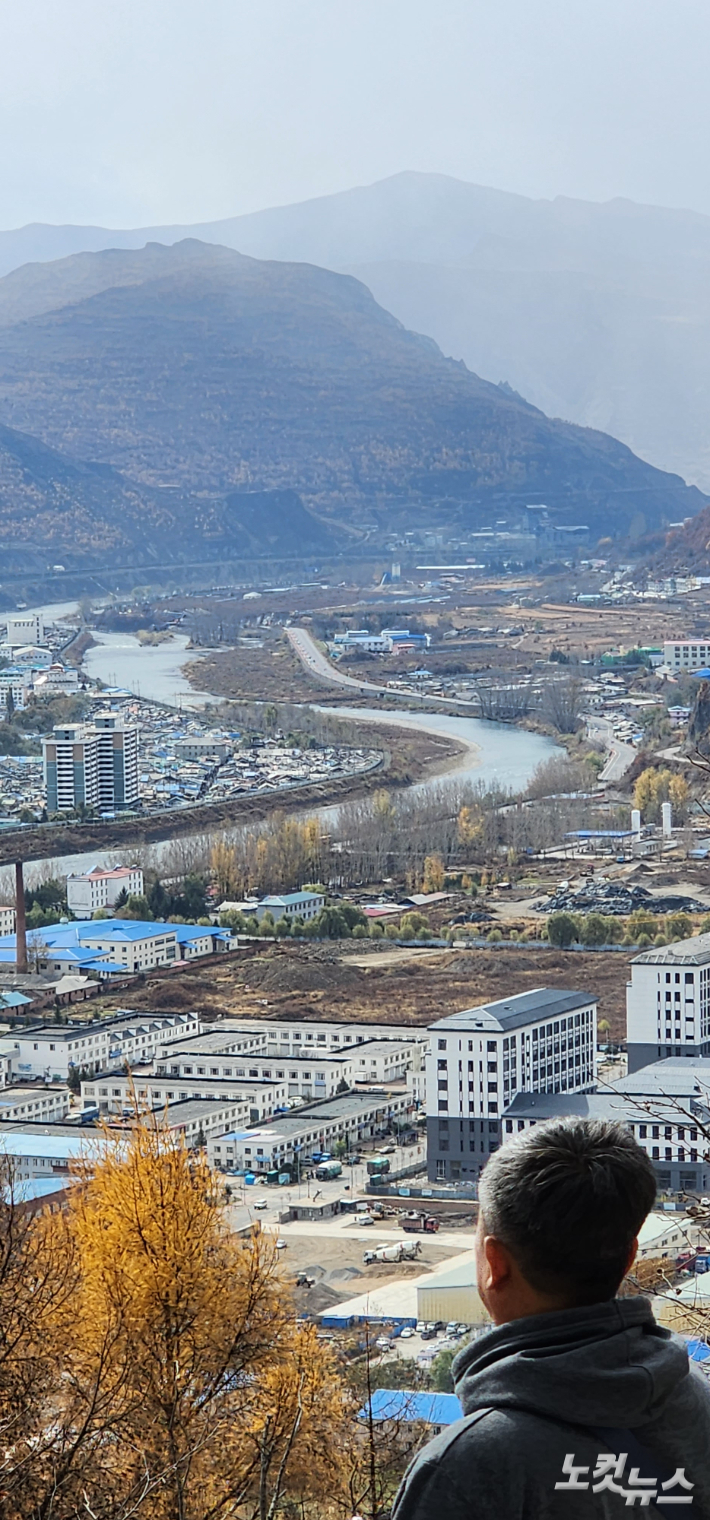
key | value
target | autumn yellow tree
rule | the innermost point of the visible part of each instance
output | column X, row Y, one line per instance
column 223, row 865
column 222, row 1396
column 434, row 874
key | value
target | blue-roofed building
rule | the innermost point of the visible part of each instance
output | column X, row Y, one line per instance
column 406, row 1407
column 116, row 944
column 305, row 905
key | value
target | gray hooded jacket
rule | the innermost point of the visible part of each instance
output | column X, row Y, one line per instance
column 539, row 1395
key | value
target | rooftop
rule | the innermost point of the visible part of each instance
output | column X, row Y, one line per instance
column 403, row 1404
column 684, row 952
column 510, row 1013
column 673, row 1077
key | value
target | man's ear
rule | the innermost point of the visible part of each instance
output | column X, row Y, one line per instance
column 498, row 1263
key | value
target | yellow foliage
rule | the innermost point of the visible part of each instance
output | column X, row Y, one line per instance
column 469, row 825
column 171, row 1378
column 434, row 874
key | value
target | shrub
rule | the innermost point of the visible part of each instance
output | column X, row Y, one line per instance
column 495, row 937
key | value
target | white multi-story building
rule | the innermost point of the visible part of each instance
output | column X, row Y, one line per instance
column 668, row 1002
column 51, row 1050
column 8, row 919
column 57, row 679
column 38, row 1104
column 93, row 765
column 114, row 1090
column 14, row 681
column 300, row 1035
column 304, row 905
column 96, row 889
column 686, row 654
column 665, row 1105
column 543, row 1041
column 352, row 1117
column 25, row 628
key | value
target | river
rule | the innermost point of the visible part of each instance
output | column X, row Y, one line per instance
column 496, row 754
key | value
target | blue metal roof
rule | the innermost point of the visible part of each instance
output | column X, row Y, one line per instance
column 404, row 1404
column 698, row 1351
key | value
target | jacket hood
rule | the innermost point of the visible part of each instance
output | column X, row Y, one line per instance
column 608, row 1364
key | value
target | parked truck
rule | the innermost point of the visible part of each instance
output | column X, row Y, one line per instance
column 399, row 1250
column 421, row 1223
column 378, row 1166
column 328, row 1170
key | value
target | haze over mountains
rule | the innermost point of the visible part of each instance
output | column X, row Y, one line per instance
column 145, row 397
column 599, row 314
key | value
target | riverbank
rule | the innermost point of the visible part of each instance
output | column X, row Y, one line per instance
column 403, row 757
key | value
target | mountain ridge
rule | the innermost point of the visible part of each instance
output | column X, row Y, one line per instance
column 192, row 373
column 597, row 312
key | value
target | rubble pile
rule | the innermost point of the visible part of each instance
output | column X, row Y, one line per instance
column 615, row 900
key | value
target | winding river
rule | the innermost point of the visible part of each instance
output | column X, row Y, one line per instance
column 496, row 754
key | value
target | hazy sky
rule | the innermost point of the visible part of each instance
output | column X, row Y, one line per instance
column 127, row 112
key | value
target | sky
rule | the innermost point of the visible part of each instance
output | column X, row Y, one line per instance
column 138, row 112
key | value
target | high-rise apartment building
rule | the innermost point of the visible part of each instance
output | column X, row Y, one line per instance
column 93, row 765
column 668, row 1002
column 541, row 1041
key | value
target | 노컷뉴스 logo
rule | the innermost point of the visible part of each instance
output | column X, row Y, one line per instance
column 609, row 1474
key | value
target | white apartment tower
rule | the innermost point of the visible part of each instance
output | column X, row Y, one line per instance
column 668, row 1002
column 541, row 1041
column 93, row 765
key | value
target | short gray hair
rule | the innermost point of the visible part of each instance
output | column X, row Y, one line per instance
column 568, row 1198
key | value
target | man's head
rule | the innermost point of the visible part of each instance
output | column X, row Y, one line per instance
column 560, row 1211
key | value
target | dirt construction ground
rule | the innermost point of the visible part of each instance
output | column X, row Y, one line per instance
column 317, row 982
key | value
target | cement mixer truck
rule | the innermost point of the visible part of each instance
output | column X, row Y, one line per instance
column 398, row 1250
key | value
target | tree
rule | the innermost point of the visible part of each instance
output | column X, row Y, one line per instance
column 562, row 703
column 137, row 907
column 679, row 926
column 227, row 1403
column 441, row 1378
column 9, row 705
column 434, row 874
column 593, row 930
column 561, row 930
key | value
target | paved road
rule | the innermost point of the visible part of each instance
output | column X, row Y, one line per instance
column 315, row 661
column 620, row 756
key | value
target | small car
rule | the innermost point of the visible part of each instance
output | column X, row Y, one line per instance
column 406, row 1333
column 260, row 1203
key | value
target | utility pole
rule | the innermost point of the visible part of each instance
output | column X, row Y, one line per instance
column 20, row 927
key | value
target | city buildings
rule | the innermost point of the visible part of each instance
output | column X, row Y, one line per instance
column 304, row 905
column 109, row 947
column 25, row 628
column 97, row 888
column 92, row 765
column 686, row 654
column 51, row 1050
column 666, row 1126
column 542, row 1041
column 113, row 1091
column 294, row 1138
column 7, row 918
column 668, row 1002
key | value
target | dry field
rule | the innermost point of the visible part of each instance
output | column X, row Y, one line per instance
column 323, row 983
